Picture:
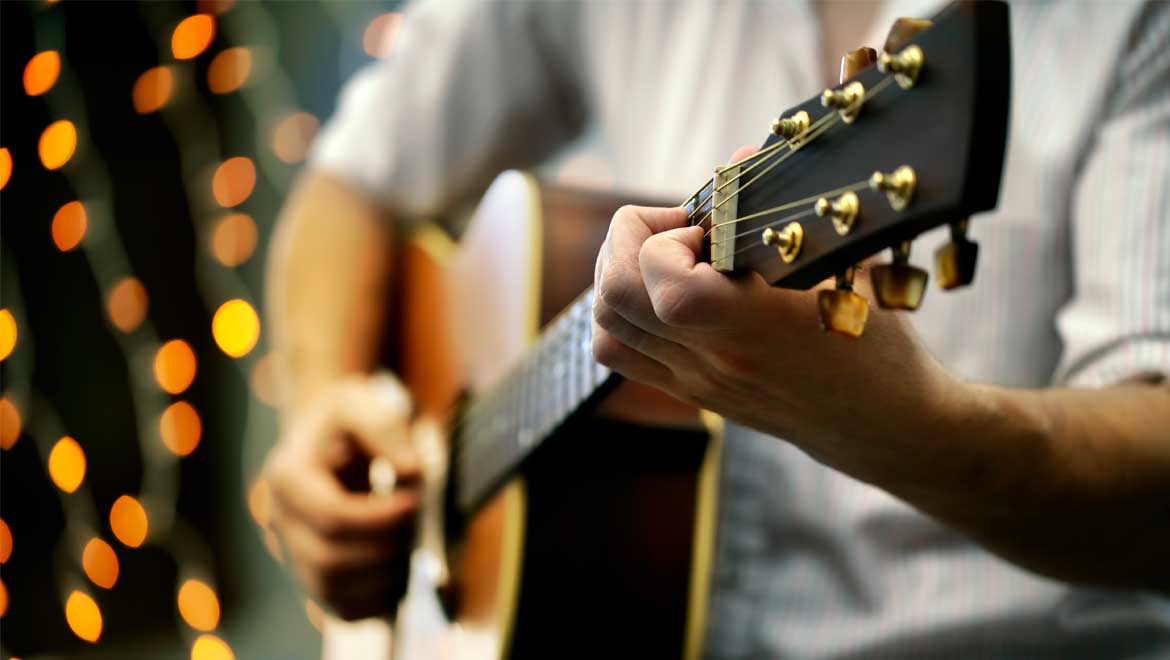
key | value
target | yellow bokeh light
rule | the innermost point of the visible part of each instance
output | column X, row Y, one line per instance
column 235, row 327
column 83, row 616
column 180, row 428
column 293, row 136
column 234, row 239
column 67, row 464
column 198, row 605
column 233, row 181
column 100, row 563
column 128, row 521
column 9, row 423
column 210, row 647
column 153, row 89
column 174, row 366
column 126, row 304
column 3, row 599
column 229, row 70
column 5, row 542
column 380, row 34
column 57, row 144
column 5, row 166
column 8, row 333
column 41, row 72
column 69, row 226
column 192, row 36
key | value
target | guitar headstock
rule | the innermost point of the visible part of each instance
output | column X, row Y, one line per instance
column 899, row 148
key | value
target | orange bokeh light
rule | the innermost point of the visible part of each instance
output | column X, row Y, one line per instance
column 41, row 72
column 192, row 36
column 57, row 144
column 100, row 563
column 126, row 304
column 174, row 366
column 229, row 70
column 153, row 89
column 198, row 605
column 3, row 599
column 5, row 542
column 69, row 226
column 236, row 328
column 8, row 333
column 234, row 239
column 67, row 464
column 233, row 181
column 180, row 428
column 128, row 521
column 83, row 616
column 294, row 135
column 5, row 166
column 9, row 423
column 210, row 647
column 380, row 34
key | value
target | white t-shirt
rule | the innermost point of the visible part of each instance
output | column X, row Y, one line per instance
column 1073, row 285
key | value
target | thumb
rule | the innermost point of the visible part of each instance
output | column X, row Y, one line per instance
column 376, row 411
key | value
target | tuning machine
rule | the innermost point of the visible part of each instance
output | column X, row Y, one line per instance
column 842, row 211
column 787, row 241
column 842, row 310
column 846, row 101
column 898, row 285
column 791, row 127
column 955, row 262
column 898, row 185
column 905, row 65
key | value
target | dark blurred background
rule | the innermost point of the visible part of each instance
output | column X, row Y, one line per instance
column 184, row 125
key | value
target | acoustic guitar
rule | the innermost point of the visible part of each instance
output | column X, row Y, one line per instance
column 572, row 514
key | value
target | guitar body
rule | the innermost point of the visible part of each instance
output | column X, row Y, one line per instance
column 602, row 544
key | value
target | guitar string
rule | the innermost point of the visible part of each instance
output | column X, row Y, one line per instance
column 819, row 127
column 793, row 145
column 825, row 122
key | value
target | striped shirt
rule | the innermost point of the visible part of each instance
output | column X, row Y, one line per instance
column 1073, row 286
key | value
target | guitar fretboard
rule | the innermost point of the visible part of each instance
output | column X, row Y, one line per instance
column 506, row 423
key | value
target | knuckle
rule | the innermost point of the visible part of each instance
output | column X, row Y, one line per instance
column 672, row 305
column 606, row 350
column 614, row 288
column 605, row 316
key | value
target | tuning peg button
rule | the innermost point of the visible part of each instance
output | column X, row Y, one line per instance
column 903, row 30
column 955, row 262
column 843, row 311
column 899, row 285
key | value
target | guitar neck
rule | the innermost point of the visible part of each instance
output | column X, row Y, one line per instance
column 502, row 426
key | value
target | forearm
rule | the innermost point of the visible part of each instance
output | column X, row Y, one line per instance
column 329, row 286
column 1073, row 484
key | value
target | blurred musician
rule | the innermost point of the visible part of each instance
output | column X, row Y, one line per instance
column 993, row 483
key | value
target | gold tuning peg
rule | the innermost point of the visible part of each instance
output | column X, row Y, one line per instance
column 897, row 185
column 899, row 285
column 903, row 30
column 842, row 211
column 843, row 312
column 955, row 262
column 856, row 61
column 905, row 65
column 787, row 241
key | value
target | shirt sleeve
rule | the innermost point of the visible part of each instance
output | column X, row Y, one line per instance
column 1117, row 323
column 471, row 88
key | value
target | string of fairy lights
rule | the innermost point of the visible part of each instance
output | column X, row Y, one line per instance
column 161, row 369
